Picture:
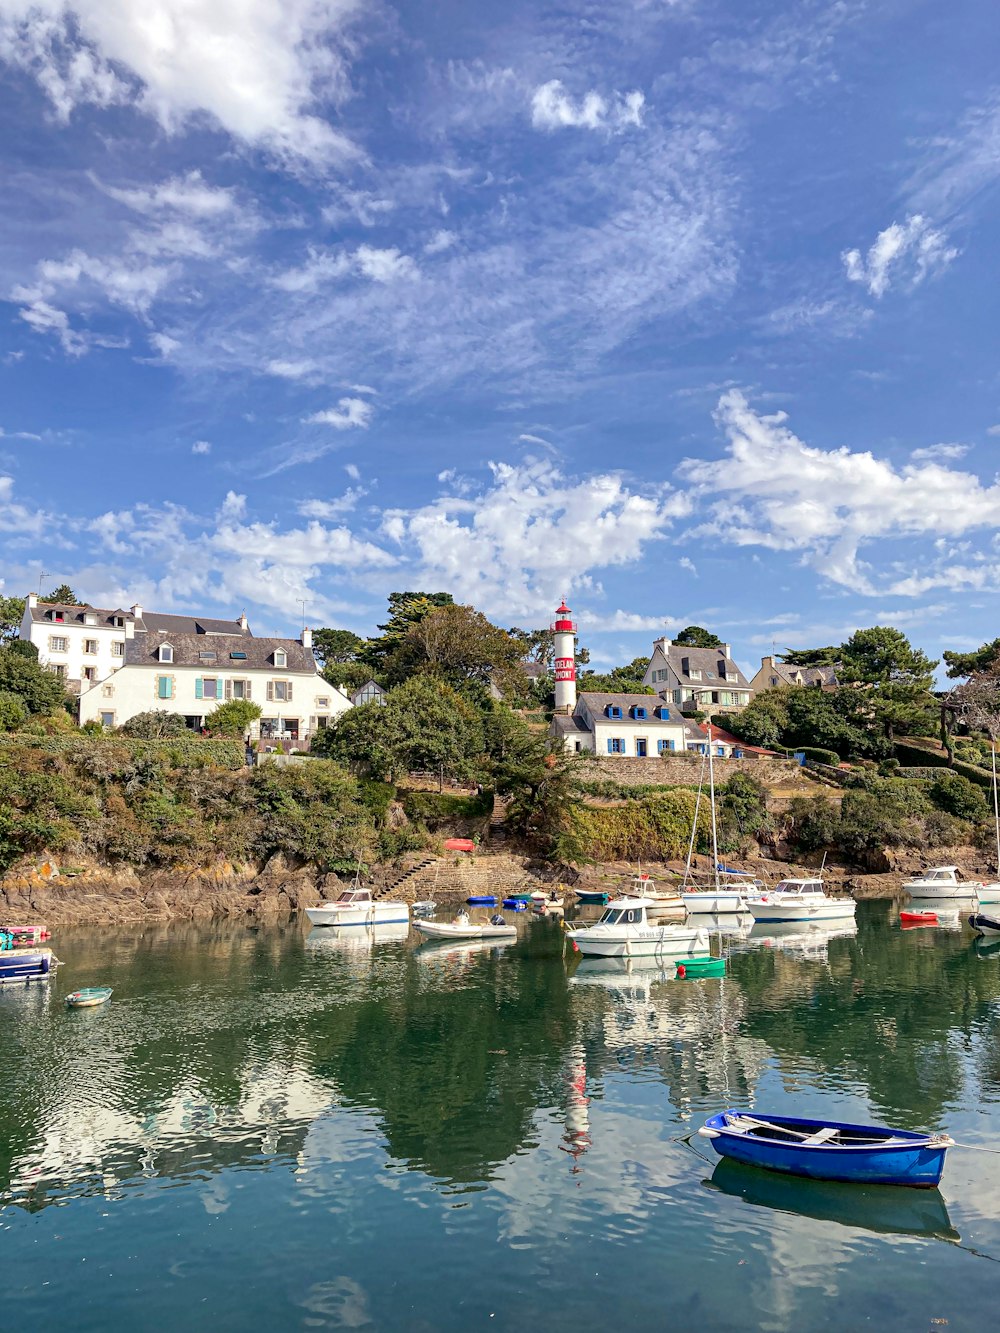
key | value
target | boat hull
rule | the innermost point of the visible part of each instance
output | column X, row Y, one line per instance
column 642, row 942
column 833, row 910
column 986, row 924
column 714, row 904
column 372, row 914
column 593, row 897
column 89, row 998
column 20, row 965
column 915, row 1160
column 942, row 892
column 450, row 930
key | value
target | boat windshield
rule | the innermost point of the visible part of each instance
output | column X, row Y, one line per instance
column 947, row 874
column 623, row 916
column 355, row 896
column 799, row 886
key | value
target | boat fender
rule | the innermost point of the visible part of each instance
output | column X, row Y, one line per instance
column 46, row 964
column 681, row 970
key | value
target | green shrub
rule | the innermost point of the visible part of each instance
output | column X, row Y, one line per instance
column 656, row 827
column 156, row 724
column 956, row 795
column 819, row 755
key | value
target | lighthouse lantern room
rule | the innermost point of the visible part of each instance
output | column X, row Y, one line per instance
column 564, row 644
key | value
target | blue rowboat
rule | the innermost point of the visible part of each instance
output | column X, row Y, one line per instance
column 483, row 900
column 830, row 1149
column 515, row 904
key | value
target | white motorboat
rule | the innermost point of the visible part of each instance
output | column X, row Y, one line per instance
column 625, row 931
column 944, row 882
column 728, row 896
column 799, row 900
column 356, row 907
column 463, row 928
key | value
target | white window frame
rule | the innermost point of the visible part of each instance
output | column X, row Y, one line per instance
column 118, row 648
column 280, row 658
column 91, row 647
column 58, row 639
column 167, row 653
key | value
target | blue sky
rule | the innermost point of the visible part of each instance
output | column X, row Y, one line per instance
column 682, row 310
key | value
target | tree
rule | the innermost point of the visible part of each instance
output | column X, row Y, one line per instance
column 956, row 795
column 459, row 645
column 986, row 658
column 693, row 636
column 233, row 718
column 155, row 725
column 63, row 595
column 884, row 656
column 11, row 614
column 13, row 711
column 811, row 657
column 538, row 645
column 347, row 676
column 22, row 674
column 337, row 645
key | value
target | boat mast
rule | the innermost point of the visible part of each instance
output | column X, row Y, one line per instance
column 711, row 794
column 694, row 824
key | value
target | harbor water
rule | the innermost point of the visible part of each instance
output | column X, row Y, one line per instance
column 284, row 1129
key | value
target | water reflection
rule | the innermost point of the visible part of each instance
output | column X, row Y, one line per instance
column 804, row 939
column 878, row 1208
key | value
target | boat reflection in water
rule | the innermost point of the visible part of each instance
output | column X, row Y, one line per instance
column 881, row 1208
column 987, row 947
column 347, row 940
column 949, row 915
column 803, row 940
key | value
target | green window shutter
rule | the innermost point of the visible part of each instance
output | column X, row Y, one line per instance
column 164, row 684
column 199, row 689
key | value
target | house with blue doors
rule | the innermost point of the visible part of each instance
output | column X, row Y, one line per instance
column 639, row 726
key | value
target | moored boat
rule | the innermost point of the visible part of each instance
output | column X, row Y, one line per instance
column 594, row 897
column 356, row 907
column 625, row 931
column 89, row 997
column 918, row 918
column 462, row 928
column 483, row 900
column 943, row 882
column 829, row 1149
column 985, row 923
column 799, row 900
column 26, row 965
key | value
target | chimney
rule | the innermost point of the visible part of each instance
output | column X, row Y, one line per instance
column 32, row 599
column 726, row 650
column 137, row 611
column 244, row 624
column 307, row 637
column 130, row 629
column 767, row 662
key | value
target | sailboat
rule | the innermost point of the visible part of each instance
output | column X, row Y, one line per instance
column 715, row 900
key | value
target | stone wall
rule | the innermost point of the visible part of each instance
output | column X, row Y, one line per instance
column 678, row 769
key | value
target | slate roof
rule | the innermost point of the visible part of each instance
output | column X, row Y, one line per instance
column 563, row 725
column 143, row 651
column 791, row 675
column 151, row 621
column 598, row 702
column 705, row 660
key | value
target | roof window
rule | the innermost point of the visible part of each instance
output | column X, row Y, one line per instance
column 637, row 711
column 238, row 657
column 613, row 710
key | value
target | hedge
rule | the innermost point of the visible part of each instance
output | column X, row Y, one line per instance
column 918, row 757
column 820, row 756
column 176, row 751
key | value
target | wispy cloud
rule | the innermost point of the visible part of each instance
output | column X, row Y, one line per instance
column 914, row 249
column 348, row 413
column 552, row 108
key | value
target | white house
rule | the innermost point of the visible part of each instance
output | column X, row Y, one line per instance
column 80, row 644
column 773, row 674
column 697, row 678
column 188, row 665
column 638, row 725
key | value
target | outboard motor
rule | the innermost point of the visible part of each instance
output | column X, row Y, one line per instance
column 497, row 919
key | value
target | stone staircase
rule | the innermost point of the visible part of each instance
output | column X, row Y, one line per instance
column 462, row 876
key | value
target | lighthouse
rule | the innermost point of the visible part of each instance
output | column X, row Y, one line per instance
column 564, row 643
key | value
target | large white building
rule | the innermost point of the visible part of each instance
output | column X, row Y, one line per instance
column 697, row 678
column 126, row 662
column 637, row 725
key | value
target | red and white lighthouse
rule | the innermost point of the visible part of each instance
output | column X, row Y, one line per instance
column 564, row 643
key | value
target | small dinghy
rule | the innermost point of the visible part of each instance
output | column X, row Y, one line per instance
column 918, row 918
column 830, row 1149
column 984, row 923
column 598, row 897
column 460, row 929
column 701, row 967
column 515, row 904
column 88, row 998
column 424, row 907
column 483, row 900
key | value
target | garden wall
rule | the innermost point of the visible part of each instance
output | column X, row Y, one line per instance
column 684, row 770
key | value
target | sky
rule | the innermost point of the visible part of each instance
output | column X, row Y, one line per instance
column 683, row 310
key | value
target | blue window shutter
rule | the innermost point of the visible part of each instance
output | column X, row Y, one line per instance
column 198, row 688
column 611, row 746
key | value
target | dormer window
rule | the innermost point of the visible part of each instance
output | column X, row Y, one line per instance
column 58, row 616
column 613, row 710
column 637, row 711
column 281, row 658
column 118, row 622
column 166, row 652
column 663, row 714
column 90, row 619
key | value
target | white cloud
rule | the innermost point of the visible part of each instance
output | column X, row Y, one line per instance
column 348, row 413
column 255, row 67
column 201, row 447
column 290, row 370
column 532, row 535
column 326, row 509
column 993, row 430
column 164, row 344
column 914, row 245
column 552, row 108
column 384, row 265
column 780, row 493
column 353, row 471
column 685, row 562
column 21, row 522
column 188, row 194
column 440, row 241
column 938, row 452
column 322, row 267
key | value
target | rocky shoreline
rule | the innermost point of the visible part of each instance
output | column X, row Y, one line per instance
column 102, row 895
